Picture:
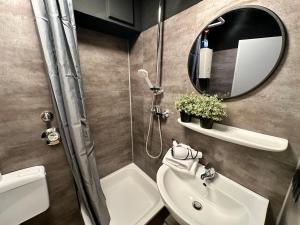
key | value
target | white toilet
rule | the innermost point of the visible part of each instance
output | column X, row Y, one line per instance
column 23, row 195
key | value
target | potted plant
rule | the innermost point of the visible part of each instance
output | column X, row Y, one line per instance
column 184, row 104
column 208, row 109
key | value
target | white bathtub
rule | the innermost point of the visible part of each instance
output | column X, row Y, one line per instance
column 132, row 196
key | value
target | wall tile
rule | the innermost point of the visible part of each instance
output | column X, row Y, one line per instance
column 24, row 94
column 271, row 109
column 104, row 64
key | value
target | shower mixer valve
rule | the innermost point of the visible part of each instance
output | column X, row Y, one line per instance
column 156, row 110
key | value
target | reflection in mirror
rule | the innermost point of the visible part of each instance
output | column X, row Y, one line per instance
column 236, row 52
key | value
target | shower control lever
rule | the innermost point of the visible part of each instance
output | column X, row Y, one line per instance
column 165, row 114
column 156, row 110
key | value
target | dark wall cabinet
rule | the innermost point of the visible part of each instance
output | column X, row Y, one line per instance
column 121, row 10
column 172, row 7
column 117, row 17
column 124, row 18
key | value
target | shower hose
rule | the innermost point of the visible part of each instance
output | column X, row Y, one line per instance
column 159, row 131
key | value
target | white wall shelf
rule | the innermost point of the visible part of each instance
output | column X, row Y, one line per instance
column 240, row 136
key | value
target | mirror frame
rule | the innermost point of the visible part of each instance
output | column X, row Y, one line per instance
column 282, row 51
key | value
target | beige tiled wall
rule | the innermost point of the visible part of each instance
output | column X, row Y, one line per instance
column 104, row 64
column 24, row 94
column 272, row 109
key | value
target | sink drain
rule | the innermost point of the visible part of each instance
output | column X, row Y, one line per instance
column 197, row 205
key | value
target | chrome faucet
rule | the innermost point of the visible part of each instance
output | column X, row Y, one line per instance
column 209, row 173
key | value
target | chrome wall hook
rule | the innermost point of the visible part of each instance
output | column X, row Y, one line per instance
column 47, row 117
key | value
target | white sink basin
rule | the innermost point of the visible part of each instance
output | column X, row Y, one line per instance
column 223, row 201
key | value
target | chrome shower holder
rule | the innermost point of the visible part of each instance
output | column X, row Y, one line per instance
column 157, row 90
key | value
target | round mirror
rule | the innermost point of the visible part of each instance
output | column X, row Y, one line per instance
column 236, row 52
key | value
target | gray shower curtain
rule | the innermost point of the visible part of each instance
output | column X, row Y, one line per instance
column 57, row 32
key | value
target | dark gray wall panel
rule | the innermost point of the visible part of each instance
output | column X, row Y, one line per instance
column 121, row 10
column 95, row 8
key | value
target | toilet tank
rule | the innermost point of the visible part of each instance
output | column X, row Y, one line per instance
column 23, row 195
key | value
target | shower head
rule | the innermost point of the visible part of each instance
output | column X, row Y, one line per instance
column 144, row 73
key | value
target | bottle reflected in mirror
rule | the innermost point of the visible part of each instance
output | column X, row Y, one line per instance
column 205, row 61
